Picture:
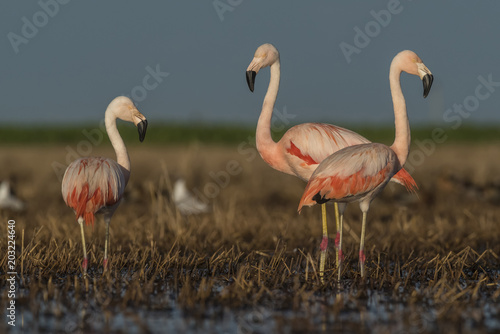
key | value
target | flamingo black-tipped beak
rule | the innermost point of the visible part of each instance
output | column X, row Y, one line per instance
column 427, row 80
column 251, row 79
column 142, row 127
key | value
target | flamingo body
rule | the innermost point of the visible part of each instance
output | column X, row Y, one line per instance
column 304, row 146
column 92, row 185
column 352, row 174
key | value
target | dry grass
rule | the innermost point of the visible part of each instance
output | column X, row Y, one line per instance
column 432, row 262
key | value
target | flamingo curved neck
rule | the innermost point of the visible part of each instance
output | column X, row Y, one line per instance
column 118, row 144
column 264, row 140
column 401, row 145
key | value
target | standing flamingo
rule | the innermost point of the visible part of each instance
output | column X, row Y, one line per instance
column 95, row 184
column 360, row 172
column 303, row 146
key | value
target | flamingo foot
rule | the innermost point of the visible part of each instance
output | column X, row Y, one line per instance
column 324, row 243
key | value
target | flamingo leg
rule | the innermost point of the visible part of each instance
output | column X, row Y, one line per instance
column 337, row 238
column 324, row 243
column 106, row 244
column 340, row 256
column 362, row 257
column 85, row 261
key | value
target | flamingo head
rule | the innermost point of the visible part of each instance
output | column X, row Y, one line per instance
column 411, row 63
column 125, row 109
column 264, row 56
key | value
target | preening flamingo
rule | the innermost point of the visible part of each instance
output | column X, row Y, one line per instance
column 303, row 146
column 360, row 172
column 95, row 184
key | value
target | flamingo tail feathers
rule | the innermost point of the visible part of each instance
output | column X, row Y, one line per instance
column 79, row 203
column 404, row 178
column 313, row 190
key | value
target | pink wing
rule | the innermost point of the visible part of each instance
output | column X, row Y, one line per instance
column 90, row 184
column 306, row 145
column 314, row 142
column 350, row 174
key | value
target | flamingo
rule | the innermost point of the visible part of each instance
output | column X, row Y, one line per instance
column 303, row 146
column 94, row 185
column 360, row 172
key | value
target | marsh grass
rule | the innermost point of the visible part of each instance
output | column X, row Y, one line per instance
column 182, row 133
column 432, row 260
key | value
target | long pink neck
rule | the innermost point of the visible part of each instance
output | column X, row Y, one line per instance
column 118, row 144
column 401, row 145
column 265, row 142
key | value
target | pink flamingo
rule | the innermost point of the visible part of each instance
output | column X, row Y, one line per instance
column 95, row 184
column 303, row 146
column 360, row 172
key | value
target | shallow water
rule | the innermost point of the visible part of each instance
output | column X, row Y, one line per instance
column 353, row 310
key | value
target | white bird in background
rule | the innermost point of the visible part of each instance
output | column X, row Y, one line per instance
column 185, row 202
column 8, row 200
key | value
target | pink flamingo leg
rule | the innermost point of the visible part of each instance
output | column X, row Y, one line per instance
column 324, row 244
column 362, row 257
column 85, row 261
column 106, row 244
column 340, row 208
column 340, row 257
column 84, row 265
column 337, row 238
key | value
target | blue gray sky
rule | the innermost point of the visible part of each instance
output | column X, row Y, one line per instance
column 62, row 61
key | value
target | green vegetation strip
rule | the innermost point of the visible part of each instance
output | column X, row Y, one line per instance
column 221, row 134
